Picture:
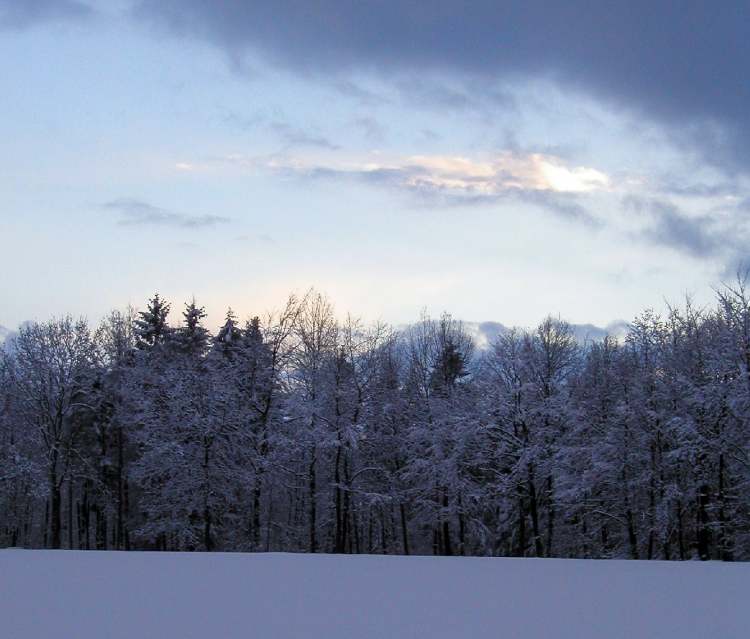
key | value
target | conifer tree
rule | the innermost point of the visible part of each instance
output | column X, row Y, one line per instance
column 228, row 340
column 192, row 337
column 151, row 327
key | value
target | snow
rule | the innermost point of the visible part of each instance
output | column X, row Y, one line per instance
column 90, row 595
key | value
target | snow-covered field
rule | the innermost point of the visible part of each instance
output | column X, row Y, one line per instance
column 98, row 595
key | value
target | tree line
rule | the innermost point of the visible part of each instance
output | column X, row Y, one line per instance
column 302, row 432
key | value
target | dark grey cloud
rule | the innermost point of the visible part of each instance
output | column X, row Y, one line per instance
column 677, row 185
column 134, row 212
column 22, row 14
column 565, row 205
column 739, row 262
column 683, row 64
column 469, row 96
column 698, row 236
column 738, row 266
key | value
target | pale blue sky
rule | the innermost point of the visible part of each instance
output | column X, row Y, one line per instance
column 140, row 152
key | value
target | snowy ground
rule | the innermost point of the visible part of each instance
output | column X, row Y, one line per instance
column 97, row 595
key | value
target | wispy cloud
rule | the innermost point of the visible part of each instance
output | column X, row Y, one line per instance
column 541, row 180
column 134, row 212
column 697, row 236
column 297, row 137
column 459, row 175
column 370, row 128
column 469, row 96
column 679, row 187
column 274, row 120
column 720, row 234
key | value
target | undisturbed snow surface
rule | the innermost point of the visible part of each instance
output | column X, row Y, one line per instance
column 96, row 595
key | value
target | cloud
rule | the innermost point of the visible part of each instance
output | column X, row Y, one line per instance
column 134, row 212
column 23, row 14
column 273, row 120
column 720, row 235
column 678, row 186
column 355, row 91
column 680, row 64
column 461, row 175
column 695, row 236
column 432, row 92
column 296, row 137
column 370, row 128
column 540, row 180
column 565, row 205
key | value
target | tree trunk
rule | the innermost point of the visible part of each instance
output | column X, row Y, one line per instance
column 338, row 543
column 703, row 533
column 54, row 510
column 207, row 515
column 447, row 547
column 521, row 552
column 312, row 486
column 632, row 539
column 461, row 528
column 404, row 529
column 256, row 512
column 725, row 544
column 70, row 514
column 534, row 510
column 680, row 531
column 550, row 515
column 120, row 492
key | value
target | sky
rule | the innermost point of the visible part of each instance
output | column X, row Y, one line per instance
column 497, row 160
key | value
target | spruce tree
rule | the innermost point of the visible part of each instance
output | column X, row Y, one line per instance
column 192, row 336
column 228, row 341
column 151, row 327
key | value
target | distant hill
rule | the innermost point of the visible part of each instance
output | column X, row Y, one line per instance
column 484, row 333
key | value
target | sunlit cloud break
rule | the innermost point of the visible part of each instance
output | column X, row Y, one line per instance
column 533, row 172
column 456, row 175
